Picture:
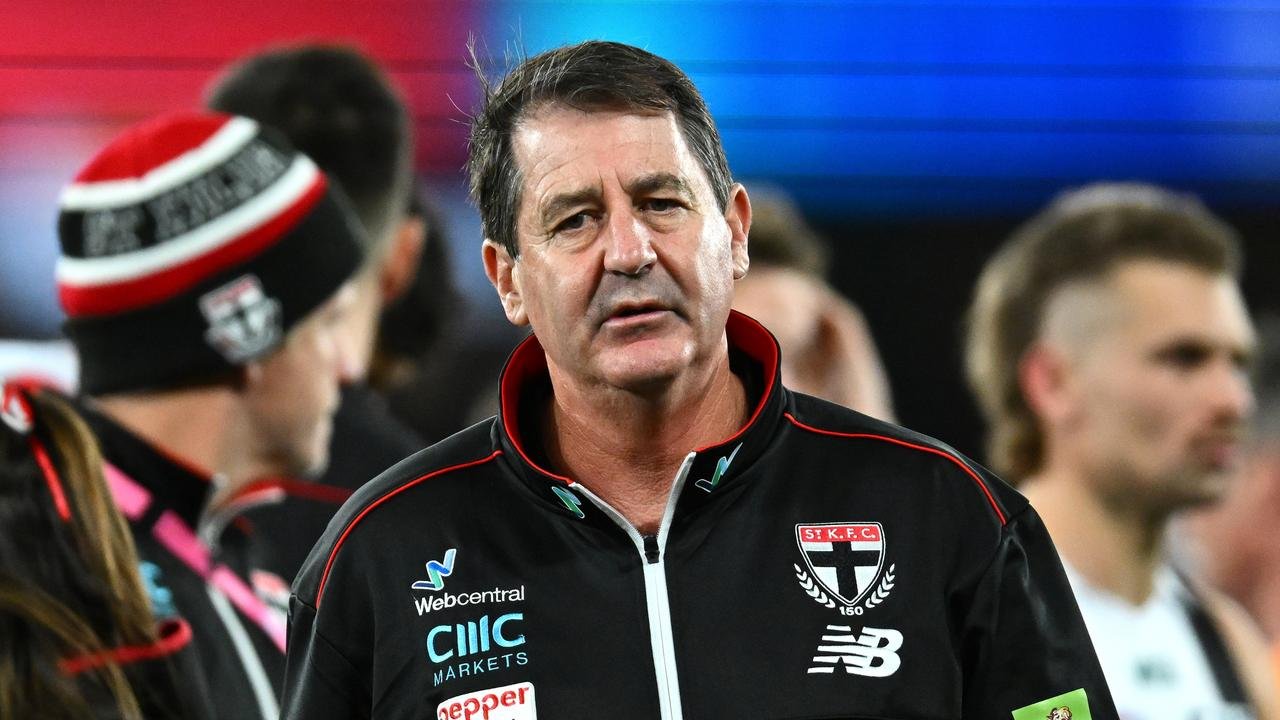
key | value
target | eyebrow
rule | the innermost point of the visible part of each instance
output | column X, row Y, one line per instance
column 559, row 204
column 660, row 181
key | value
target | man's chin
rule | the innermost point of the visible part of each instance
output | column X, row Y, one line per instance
column 311, row 465
column 1209, row 487
column 645, row 372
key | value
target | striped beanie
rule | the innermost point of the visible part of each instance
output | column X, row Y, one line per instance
column 191, row 245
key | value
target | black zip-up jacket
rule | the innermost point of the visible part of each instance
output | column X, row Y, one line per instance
column 165, row 677
column 817, row 564
column 242, row 665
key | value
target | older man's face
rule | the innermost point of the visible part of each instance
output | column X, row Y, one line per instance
column 627, row 262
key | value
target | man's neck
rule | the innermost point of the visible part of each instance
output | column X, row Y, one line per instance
column 1115, row 546
column 190, row 425
column 626, row 448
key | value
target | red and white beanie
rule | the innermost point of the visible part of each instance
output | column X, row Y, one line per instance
column 191, row 244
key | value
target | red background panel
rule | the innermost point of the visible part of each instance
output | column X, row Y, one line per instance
column 185, row 31
column 88, row 68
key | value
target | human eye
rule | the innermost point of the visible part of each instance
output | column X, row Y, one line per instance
column 662, row 205
column 572, row 224
column 1185, row 355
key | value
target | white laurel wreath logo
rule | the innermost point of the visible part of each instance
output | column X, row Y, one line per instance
column 812, row 588
column 815, row 591
column 882, row 591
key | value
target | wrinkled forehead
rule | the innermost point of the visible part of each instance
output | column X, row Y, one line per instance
column 558, row 149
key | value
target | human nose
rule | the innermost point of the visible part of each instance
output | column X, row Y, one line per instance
column 348, row 366
column 1232, row 392
column 628, row 247
column 341, row 357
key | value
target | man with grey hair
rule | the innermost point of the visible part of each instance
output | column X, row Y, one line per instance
column 654, row 526
column 1108, row 346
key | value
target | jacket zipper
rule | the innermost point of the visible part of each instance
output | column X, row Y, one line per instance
column 652, row 550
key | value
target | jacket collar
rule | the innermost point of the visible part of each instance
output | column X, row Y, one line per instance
column 175, row 484
column 755, row 355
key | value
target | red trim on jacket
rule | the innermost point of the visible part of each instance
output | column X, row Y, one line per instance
column 174, row 636
column 527, row 361
column 748, row 335
column 923, row 448
column 297, row 488
column 333, row 554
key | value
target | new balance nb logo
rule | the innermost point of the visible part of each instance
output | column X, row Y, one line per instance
column 437, row 572
column 874, row 653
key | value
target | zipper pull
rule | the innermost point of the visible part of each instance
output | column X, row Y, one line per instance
column 651, row 553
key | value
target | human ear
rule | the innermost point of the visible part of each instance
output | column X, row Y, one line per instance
column 401, row 262
column 737, row 213
column 1044, row 380
column 503, row 273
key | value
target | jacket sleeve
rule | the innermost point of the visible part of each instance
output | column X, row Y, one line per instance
column 320, row 682
column 1025, row 648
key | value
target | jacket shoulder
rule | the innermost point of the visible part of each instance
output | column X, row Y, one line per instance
column 840, row 424
column 433, row 468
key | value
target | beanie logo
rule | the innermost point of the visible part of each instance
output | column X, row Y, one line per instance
column 243, row 322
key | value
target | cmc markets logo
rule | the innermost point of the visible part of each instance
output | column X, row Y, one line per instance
column 475, row 647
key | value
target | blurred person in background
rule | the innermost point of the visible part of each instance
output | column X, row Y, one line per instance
column 1108, row 347
column 413, row 324
column 205, row 268
column 79, row 635
column 827, row 348
column 435, row 369
column 636, row 517
column 1236, row 543
column 336, row 106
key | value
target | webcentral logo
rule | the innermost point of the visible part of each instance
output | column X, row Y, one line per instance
column 452, row 600
column 437, row 572
column 722, row 466
column 462, row 642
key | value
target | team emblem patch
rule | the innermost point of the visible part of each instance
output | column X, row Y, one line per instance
column 1068, row 706
column 243, row 321
column 844, row 565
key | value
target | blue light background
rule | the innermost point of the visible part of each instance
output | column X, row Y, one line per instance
column 938, row 108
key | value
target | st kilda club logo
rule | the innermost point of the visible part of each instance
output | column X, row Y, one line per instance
column 844, row 565
column 243, row 321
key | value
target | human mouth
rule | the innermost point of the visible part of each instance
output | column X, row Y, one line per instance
column 636, row 314
column 1220, row 452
